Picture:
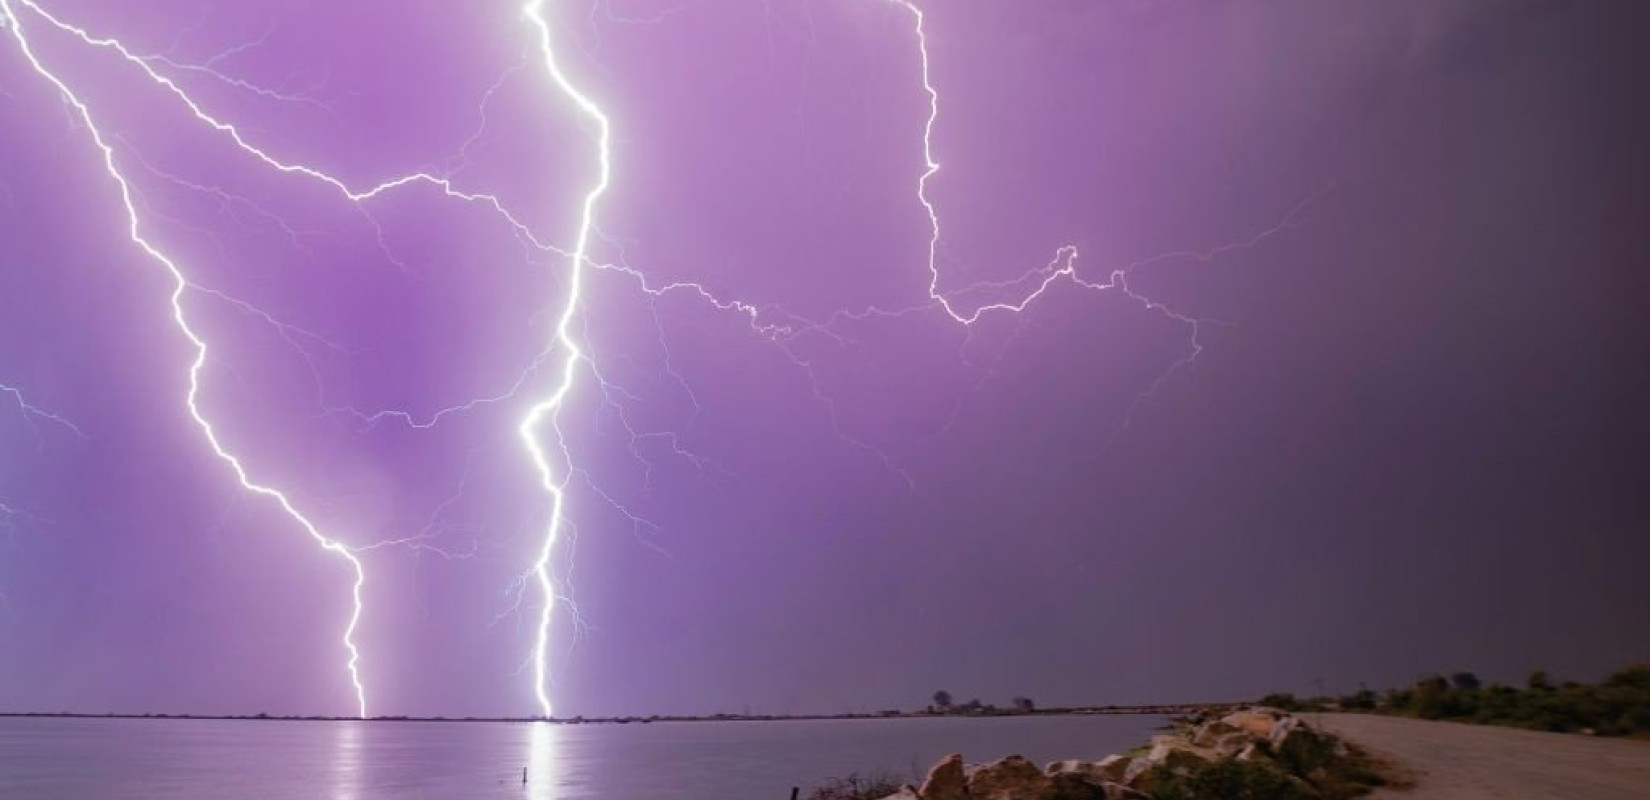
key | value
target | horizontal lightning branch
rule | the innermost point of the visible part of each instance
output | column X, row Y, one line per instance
column 547, row 382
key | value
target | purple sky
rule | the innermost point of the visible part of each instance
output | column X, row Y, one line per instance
column 1405, row 242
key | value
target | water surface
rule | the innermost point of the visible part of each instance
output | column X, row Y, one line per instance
column 116, row 759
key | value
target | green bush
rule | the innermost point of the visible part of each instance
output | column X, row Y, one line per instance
column 1361, row 700
column 1235, row 780
column 1620, row 706
column 1633, row 677
column 1305, row 752
column 1282, row 701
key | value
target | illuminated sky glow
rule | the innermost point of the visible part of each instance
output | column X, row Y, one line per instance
column 577, row 358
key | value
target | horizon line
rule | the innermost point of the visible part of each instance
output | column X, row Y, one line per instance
column 1136, row 709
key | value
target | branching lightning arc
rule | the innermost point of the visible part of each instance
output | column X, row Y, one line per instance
column 181, row 286
column 540, row 426
column 549, row 409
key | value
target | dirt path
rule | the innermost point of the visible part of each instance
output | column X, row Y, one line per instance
column 1476, row 762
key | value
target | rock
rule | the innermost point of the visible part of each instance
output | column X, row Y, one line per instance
column 1145, row 777
column 1203, row 734
column 1109, row 769
column 1011, row 778
column 1282, row 728
column 1077, row 780
column 1134, row 769
column 906, row 792
column 1112, row 768
column 1221, row 737
column 1170, row 755
column 947, row 780
column 1264, row 735
column 1257, row 721
column 1301, row 748
column 1177, row 755
column 1230, row 744
column 1077, row 786
column 1117, row 791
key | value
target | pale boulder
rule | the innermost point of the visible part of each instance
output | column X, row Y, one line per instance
column 904, row 793
column 1256, row 721
column 1011, row 778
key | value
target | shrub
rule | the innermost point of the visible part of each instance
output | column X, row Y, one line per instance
column 1361, row 700
column 855, row 787
column 1431, row 699
column 1619, row 706
column 1235, row 780
column 1307, row 765
column 1466, row 681
column 1282, row 701
column 1305, row 752
column 1632, row 676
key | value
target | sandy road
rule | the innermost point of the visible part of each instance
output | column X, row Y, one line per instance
column 1476, row 762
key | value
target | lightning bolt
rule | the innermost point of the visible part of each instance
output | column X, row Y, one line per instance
column 544, row 412
column 32, row 412
column 930, row 166
column 540, row 429
column 209, row 69
column 549, row 408
column 180, row 287
column 14, row 519
column 1064, row 265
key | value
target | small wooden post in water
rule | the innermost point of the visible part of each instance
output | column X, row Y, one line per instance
column 794, row 790
column 524, row 778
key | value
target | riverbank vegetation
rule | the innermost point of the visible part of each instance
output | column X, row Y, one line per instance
column 1617, row 706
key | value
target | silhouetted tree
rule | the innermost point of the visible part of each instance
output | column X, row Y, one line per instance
column 942, row 699
column 1283, row 701
column 1432, row 697
column 1539, row 681
column 1633, row 676
column 1025, row 704
column 1361, row 700
column 1465, row 681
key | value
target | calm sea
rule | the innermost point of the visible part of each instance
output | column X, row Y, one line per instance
column 163, row 759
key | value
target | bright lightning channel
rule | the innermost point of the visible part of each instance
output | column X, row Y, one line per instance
column 1064, row 265
column 1067, row 256
column 930, row 166
column 549, row 409
column 181, row 286
column 546, row 412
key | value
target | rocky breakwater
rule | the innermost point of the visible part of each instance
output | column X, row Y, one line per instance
column 1256, row 753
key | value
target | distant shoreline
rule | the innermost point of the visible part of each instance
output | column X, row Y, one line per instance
column 1144, row 710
